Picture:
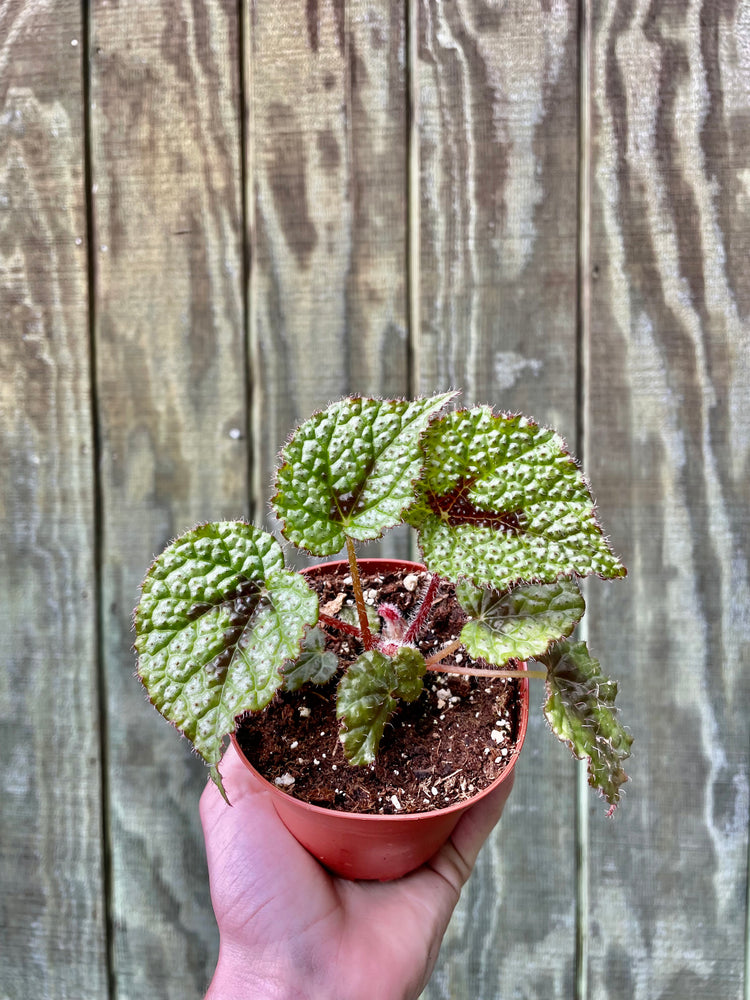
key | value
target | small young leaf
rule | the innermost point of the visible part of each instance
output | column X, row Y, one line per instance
column 350, row 470
column 365, row 704
column 367, row 698
column 502, row 501
column 349, row 615
column 580, row 710
column 409, row 667
column 518, row 623
column 315, row 664
column 218, row 616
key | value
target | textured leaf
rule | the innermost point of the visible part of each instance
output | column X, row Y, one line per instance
column 409, row 666
column 218, row 616
column 314, row 665
column 519, row 623
column 367, row 698
column 502, row 501
column 350, row 469
column 365, row 704
column 580, row 709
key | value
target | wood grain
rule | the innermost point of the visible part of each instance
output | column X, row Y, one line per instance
column 52, row 917
column 667, row 431
column 171, row 388
column 497, row 128
column 328, row 195
column 498, row 177
column 482, row 292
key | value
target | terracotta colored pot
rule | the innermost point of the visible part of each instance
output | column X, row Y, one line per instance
column 365, row 846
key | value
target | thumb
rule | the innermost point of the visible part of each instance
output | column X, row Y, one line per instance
column 456, row 859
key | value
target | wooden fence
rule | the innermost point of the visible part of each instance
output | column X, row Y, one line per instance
column 217, row 216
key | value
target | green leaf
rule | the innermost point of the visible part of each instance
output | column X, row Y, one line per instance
column 518, row 623
column 350, row 470
column 218, row 616
column 409, row 667
column 314, row 665
column 349, row 615
column 502, row 501
column 580, row 709
column 365, row 704
column 367, row 698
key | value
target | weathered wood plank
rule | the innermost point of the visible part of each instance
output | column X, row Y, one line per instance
column 497, row 120
column 328, row 196
column 668, row 440
column 171, row 388
column 52, row 920
column 498, row 132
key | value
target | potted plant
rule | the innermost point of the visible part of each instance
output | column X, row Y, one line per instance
column 505, row 524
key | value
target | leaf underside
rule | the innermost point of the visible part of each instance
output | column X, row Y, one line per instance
column 581, row 712
column 349, row 471
column 217, row 619
column 501, row 501
column 368, row 696
column 519, row 623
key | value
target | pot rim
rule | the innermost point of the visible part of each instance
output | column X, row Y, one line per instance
column 457, row 807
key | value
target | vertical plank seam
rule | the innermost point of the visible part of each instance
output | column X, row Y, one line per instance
column 253, row 389
column 98, row 512
column 350, row 345
column 583, row 345
column 747, row 919
column 413, row 218
column 247, row 229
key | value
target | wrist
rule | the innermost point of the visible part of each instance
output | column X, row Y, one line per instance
column 239, row 976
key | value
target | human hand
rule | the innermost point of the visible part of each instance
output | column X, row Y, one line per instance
column 291, row 930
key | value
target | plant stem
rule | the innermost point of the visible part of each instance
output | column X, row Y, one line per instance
column 432, row 664
column 332, row 622
column 442, row 653
column 359, row 597
column 539, row 674
column 423, row 610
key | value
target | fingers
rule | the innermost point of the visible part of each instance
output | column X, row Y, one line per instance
column 246, row 794
column 456, row 859
column 233, row 775
column 248, row 833
column 477, row 823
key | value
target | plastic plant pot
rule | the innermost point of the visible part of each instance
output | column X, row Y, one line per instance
column 369, row 846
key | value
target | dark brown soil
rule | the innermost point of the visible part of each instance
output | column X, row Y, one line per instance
column 454, row 741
